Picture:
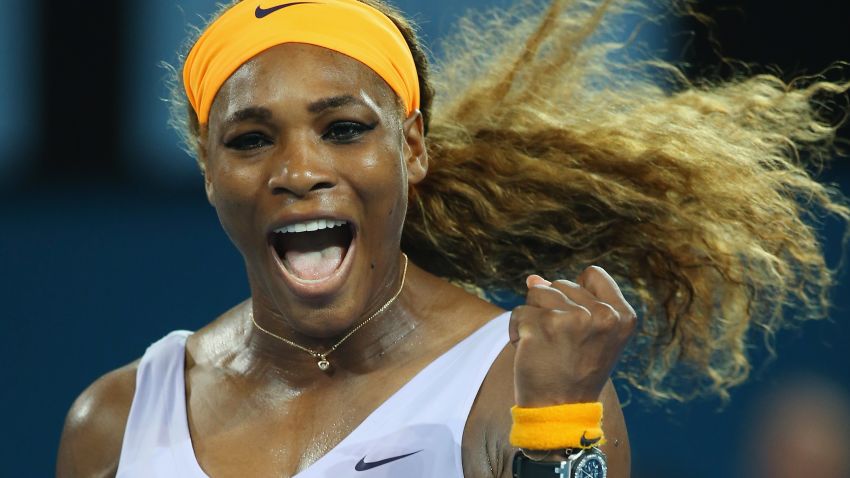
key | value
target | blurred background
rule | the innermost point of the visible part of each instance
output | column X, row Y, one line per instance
column 107, row 242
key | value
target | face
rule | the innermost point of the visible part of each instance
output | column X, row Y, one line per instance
column 308, row 159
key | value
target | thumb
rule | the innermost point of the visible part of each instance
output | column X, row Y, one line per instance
column 534, row 280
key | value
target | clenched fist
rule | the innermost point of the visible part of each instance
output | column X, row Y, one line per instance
column 568, row 337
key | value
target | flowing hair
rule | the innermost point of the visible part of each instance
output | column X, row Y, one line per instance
column 551, row 149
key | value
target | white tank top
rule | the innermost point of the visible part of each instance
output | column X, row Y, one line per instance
column 416, row 433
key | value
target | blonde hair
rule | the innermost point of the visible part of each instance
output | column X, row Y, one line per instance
column 551, row 150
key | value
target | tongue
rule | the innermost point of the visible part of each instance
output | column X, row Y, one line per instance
column 313, row 255
column 314, row 265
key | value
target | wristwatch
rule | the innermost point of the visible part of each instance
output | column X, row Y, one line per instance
column 584, row 463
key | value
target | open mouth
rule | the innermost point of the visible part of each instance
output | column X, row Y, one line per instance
column 312, row 250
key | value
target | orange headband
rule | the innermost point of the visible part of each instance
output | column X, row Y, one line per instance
column 346, row 26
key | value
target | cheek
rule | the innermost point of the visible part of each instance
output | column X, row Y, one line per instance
column 234, row 193
column 388, row 208
column 383, row 181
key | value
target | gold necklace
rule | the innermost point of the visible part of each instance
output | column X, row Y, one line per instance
column 323, row 362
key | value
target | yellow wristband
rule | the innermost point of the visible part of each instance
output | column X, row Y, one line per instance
column 572, row 425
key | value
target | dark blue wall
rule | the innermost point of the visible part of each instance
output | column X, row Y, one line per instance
column 89, row 264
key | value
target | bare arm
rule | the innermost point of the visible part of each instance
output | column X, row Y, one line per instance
column 616, row 435
column 616, row 447
column 487, row 451
column 94, row 428
column 565, row 342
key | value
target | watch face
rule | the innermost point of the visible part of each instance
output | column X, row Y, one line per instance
column 591, row 465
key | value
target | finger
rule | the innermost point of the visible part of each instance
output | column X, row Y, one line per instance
column 577, row 293
column 598, row 282
column 534, row 280
column 527, row 321
column 518, row 315
column 606, row 315
column 547, row 297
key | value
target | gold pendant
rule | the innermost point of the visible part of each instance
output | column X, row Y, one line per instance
column 324, row 364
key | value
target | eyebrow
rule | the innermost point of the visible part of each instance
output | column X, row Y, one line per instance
column 323, row 104
column 257, row 113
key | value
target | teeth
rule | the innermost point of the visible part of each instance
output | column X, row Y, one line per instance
column 314, row 225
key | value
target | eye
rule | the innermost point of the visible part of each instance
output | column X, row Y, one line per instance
column 248, row 141
column 346, row 131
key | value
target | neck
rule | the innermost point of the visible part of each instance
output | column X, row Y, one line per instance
column 371, row 342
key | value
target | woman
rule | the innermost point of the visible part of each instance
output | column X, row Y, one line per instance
column 324, row 162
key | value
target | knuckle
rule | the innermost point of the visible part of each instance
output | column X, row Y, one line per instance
column 604, row 313
column 593, row 271
column 519, row 311
column 582, row 313
column 607, row 323
column 520, row 314
column 555, row 323
column 612, row 321
column 604, row 310
column 630, row 321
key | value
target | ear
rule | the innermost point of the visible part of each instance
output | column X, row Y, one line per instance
column 415, row 151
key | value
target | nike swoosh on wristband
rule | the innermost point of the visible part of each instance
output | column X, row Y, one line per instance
column 261, row 12
column 363, row 466
column 586, row 442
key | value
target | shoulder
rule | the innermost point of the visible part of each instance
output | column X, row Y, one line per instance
column 94, row 427
column 487, row 449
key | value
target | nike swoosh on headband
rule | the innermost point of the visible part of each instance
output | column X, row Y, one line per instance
column 586, row 442
column 261, row 12
column 363, row 466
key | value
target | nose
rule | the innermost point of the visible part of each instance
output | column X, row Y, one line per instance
column 300, row 168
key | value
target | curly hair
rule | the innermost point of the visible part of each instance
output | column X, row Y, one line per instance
column 550, row 150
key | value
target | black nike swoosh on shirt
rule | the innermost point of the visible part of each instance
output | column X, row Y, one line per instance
column 586, row 442
column 363, row 466
column 261, row 12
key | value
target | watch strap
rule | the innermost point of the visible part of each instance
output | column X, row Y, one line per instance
column 523, row 467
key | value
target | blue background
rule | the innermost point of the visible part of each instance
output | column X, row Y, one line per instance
column 105, row 225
